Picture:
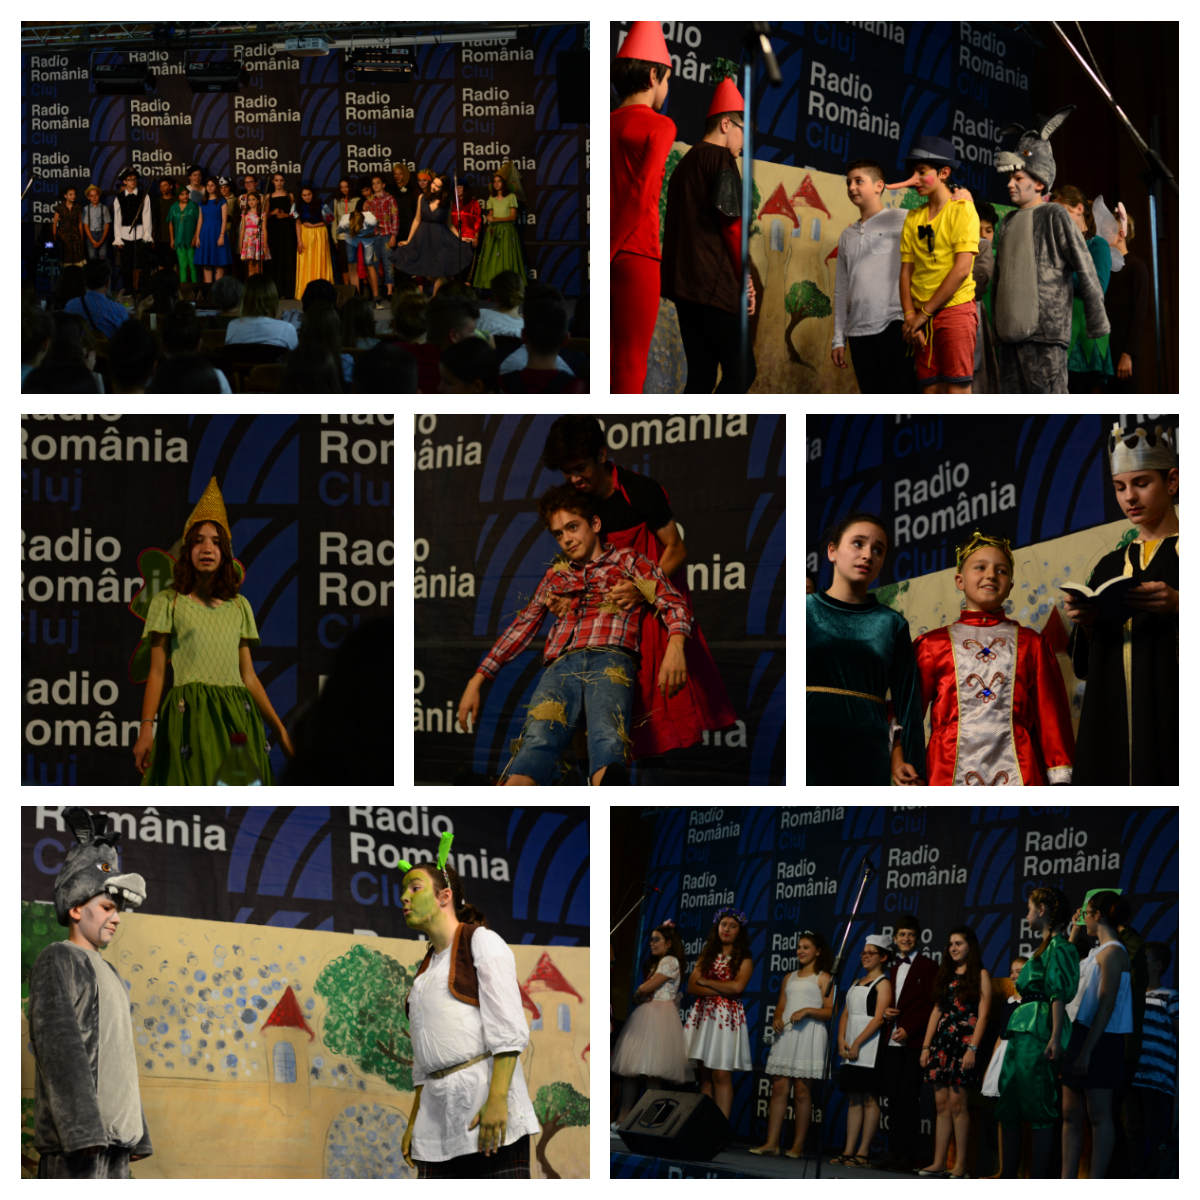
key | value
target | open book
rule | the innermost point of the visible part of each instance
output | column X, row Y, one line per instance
column 1108, row 598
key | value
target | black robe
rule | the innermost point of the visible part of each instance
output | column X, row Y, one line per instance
column 1104, row 746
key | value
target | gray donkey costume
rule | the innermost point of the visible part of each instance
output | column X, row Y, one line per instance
column 1037, row 249
column 86, row 1090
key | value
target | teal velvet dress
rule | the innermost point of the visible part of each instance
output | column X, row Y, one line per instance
column 865, row 649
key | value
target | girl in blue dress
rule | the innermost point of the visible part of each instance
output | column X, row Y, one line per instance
column 213, row 253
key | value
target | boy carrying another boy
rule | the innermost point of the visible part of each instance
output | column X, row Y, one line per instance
column 937, row 248
column 866, row 308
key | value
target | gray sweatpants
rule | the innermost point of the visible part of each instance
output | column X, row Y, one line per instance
column 1037, row 368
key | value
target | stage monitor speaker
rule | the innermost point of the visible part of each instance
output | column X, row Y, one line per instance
column 682, row 1125
column 572, row 69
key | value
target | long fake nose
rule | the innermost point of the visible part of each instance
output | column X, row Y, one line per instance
column 911, row 181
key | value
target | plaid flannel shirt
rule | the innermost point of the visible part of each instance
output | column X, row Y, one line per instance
column 386, row 212
column 586, row 626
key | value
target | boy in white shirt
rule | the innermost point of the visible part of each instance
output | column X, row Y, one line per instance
column 866, row 304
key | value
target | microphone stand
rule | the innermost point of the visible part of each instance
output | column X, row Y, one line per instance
column 835, row 971
column 756, row 44
column 645, row 888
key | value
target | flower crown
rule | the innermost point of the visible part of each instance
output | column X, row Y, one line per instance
column 668, row 924
column 735, row 913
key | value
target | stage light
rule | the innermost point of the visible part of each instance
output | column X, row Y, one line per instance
column 215, row 76
column 304, row 47
column 395, row 63
column 121, row 80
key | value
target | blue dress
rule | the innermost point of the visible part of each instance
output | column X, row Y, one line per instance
column 434, row 251
column 208, row 253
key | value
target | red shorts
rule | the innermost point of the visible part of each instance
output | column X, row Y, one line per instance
column 949, row 353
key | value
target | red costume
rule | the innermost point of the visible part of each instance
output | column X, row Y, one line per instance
column 641, row 141
column 472, row 217
column 1000, row 714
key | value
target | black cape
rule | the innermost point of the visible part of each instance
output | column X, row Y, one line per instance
column 1106, row 745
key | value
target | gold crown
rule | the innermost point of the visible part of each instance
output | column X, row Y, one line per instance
column 210, row 507
column 968, row 548
column 1138, row 450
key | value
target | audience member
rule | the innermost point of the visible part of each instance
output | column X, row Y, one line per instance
column 448, row 319
column 258, row 320
column 358, row 323
column 226, row 295
column 386, row 368
column 469, row 366
column 316, row 291
column 132, row 353
column 37, row 332
column 322, row 327
column 180, row 334
column 60, row 378
column 312, row 368
column 518, row 360
column 545, row 331
column 103, row 314
column 1151, row 1105
column 508, row 289
column 73, row 342
column 408, row 317
column 71, row 285
column 186, row 374
column 161, row 296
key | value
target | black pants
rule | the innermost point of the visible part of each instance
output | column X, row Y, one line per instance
column 902, row 1079
column 110, row 1163
column 711, row 338
column 510, row 1162
column 881, row 362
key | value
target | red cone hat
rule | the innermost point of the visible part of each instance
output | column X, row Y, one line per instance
column 645, row 41
column 726, row 99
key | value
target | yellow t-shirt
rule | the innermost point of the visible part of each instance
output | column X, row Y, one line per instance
column 955, row 229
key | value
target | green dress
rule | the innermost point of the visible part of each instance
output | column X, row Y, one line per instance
column 1085, row 355
column 1028, row 1090
column 867, row 649
column 501, row 250
column 208, row 700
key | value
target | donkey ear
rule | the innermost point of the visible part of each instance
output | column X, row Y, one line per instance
column 1012, row 127
column 1052, row 123
column 80, row 821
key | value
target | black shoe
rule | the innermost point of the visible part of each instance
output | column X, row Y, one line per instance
column 615, row 775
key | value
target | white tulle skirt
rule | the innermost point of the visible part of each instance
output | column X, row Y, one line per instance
column 652, row 1044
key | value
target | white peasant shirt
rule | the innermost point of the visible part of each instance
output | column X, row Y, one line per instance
column 445, row 1031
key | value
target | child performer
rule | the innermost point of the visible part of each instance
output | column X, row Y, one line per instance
column 652, row 1044
column 254, row 249
column 797, row 1058
column 1000, row 712
column 962, row 996
column 183, row 218
column 937, row 292
column 858, row 649
column 313, row 260
column 1028, row 1087
column 641, row 140
column 866, row 307
column 717, row 1041
column 1132, row 670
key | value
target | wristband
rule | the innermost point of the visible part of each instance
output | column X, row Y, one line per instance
column 910, row 312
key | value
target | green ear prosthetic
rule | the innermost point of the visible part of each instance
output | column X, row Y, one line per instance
column 405, row 867
column 444, row 850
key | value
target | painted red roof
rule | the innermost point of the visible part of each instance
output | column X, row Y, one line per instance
column 585, row 1050
column 550, row 978
column 287, row 1015
column 778, row 203
column 807, row 195
column 527, row 1002
column 831, row 254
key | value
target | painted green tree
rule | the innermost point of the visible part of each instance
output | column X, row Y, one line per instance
column 912, row 199
column 39, row 929
column 804, row 299
column 558, row 1106
column 365, row 1022
column 673, row 160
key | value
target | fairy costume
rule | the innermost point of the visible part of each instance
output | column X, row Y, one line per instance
column 652, row 1041
column 207, row 701
column 1028, row 1091
column 855, row 653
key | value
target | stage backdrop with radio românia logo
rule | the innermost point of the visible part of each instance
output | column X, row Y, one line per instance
column 792, row 869
column 472, row 106
column 309, row 500
column 480, row 551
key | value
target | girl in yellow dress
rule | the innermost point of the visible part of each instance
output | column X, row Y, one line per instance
column 313, row 260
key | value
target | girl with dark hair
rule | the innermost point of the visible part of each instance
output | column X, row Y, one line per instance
column 858, row 649
column 1094, row 1065
column 651, row 1045
column 67, row 228
column 860, row 1077
column 433, row 246
column 212, row 251
column 501, row 249
column 797, row 1057
column 718, row 1042
column 962, row 994
column 281, row 238
column 1028, row 1087
column 312, row 245
column 1089, row 360
column 471, row 1116
column 205, row 628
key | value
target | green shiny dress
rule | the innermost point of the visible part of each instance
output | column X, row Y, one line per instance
column 863, row 648
column 1028, row 1091
column 208, row 700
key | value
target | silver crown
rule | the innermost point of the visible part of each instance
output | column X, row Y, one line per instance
column 1138, row 450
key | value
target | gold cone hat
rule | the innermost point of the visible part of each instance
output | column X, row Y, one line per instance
column 210, row 507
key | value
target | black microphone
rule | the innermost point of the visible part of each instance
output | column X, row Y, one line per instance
column 651, row 887
column 869, row 868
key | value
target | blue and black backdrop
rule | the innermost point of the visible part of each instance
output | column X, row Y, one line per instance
column 316, row 867
column 862, row 89
column 480, row 551
column 935, row 479
column 792, row 869
column 310, row 504
column 472, row 106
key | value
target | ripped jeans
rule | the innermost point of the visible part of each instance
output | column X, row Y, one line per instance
column 595, row 682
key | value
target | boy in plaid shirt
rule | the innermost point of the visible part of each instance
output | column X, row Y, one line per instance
column 591, row 655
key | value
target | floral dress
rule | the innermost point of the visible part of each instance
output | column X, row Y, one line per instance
column 952, row 1040
column 715, row 1033
column 254, row 241
column 70, row 232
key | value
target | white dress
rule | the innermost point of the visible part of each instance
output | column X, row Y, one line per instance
column 716, row 1032
column 799, row 1051
column 445, row 1032
column 652, row 1041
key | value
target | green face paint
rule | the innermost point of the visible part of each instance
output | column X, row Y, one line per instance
column 420, row 900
